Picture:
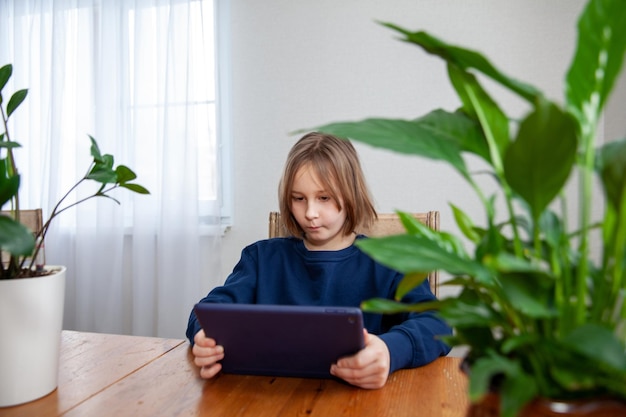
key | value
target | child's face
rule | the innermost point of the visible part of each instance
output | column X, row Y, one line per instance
column 317, row 213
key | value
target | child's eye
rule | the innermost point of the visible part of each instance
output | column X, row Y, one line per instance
column 324, row 198
column 296, row 198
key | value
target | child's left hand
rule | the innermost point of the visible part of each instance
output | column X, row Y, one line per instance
column 369, row 368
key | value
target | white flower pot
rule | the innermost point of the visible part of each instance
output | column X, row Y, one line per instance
column 31, row 318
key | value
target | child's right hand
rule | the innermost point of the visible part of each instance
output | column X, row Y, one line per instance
column 207, row 352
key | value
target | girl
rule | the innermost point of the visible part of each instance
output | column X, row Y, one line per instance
column 324, row 200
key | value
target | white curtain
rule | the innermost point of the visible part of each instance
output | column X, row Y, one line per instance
column 139, row 77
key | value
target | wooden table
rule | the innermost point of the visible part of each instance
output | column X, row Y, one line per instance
column 113, row 375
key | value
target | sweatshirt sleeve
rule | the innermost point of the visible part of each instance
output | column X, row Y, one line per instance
column 415, row 341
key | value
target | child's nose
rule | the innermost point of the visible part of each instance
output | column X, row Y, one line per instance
column 311, row 211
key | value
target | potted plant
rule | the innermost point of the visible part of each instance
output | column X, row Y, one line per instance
column 542, row 315
column 31, row 298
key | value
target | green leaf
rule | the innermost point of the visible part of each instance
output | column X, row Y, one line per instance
column 552, row 228
column 410, row 223
column 445, row 240
column 102, row 174
column 494, row 122
column 459, row 281
column 7, row 144
column 5, row 75
column 492, row 240
column 513, row 343
column 136, row 188
column 16, row 99
column 9, row 184
column 462, row 314
column 410, row 281
column 108, row 160
column 483, row 371
column 506, row 263
column 437, row 135
column 15, row 238
column 517, row 389
column 466, row 59
column 416, row 227
column 576, row 372
column 385, row 306
column 538, row 163
column 124, row 174
column 612, row 166
column 95, row 150
column 412, row 253
column 528, row 294
column 465, row 223
column 598, row 343
column 598, row 59
column 479, row 338
column 574, row 377
column 457, row 127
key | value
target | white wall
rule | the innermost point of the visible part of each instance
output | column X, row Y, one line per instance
column 302, row 63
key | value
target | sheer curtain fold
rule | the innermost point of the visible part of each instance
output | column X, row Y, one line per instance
column 128, row 73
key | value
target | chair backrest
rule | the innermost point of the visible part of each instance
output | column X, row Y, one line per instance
column 32, row 219
column 386, row 224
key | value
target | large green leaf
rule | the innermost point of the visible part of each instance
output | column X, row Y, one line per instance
column 538, row 163
column 15, row 238
column 598, row 58
column 438, row 135
column 458, row 128
column 413, row 253
column 463, row 313
column 466, row 59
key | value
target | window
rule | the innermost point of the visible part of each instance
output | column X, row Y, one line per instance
column 141, row 76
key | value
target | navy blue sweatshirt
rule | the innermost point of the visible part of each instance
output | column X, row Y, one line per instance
column 282, row 271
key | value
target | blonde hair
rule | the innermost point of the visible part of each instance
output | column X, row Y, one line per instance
column 336, row 163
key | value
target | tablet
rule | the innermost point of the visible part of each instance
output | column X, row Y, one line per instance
column 300, row 341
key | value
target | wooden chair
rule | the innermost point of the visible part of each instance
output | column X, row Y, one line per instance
column 32, row 219
column 387, row 224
